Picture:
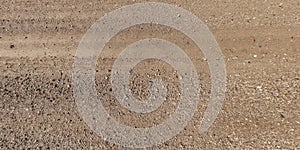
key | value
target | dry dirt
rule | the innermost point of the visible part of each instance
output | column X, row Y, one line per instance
column 260, row 41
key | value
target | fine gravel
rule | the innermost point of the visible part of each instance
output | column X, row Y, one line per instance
column 259, row 40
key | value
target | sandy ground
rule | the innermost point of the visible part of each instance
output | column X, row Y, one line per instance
column 260, row 41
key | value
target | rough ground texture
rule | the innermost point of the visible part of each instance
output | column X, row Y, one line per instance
column 261, row 46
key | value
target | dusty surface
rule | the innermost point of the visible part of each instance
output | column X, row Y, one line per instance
column 259, row 39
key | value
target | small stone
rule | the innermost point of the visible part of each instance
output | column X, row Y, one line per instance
column 234, row 58
column 259, row 88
